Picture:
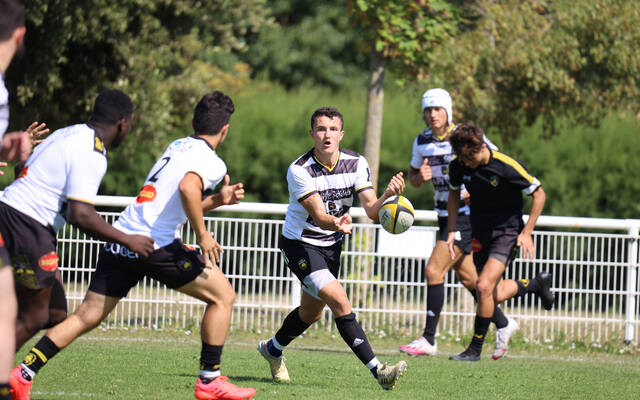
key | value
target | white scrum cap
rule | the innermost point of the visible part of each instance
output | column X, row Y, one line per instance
column 438, row 98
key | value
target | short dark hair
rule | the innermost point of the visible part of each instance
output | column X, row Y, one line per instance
column 111, row 106
column 326, row 111
column 212, row 113
column 466, row 138
column 11, row 17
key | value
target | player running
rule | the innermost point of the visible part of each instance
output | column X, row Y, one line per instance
column 496, row 183
column 322, row 183
column 429, row 162
column 171, row 195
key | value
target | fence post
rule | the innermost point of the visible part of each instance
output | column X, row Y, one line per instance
column 632, row 279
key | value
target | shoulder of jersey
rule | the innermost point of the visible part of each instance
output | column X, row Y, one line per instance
column 302, row 160
column 350, row 153
column 425, row 138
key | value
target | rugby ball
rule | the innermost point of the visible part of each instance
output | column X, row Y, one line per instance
column 396, row 214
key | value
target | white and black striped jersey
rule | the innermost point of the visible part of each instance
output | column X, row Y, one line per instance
column 69, row 165
column 439, row 153
column 336, row 186
column 157, row 211
column 4, row 108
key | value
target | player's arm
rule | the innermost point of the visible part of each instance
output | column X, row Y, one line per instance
column 228, row 194
column 418, row 176
column 537, row 205
column 453, row 205
column 84, row 216
column 316, row 209
column 190, row 188
column 372, row 204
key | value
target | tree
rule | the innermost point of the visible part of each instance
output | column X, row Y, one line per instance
column 165, row 54
column 519, row 61
column 403, row 33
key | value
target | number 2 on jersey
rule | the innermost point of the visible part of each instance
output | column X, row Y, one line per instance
column 154, row 177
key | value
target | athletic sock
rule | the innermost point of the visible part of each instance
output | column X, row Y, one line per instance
column 499, row 318
column 210, row 362
column 526, row 286
column 37, row 357
column 435, row 300
column 354, row 337
column 481, row 327
column 4, row 391
column 291, row 328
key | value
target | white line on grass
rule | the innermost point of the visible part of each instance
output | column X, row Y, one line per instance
column 62, row 395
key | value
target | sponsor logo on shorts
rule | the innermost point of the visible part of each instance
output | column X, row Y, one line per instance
column 525, row 282
column 49, row 261
column 303, row 264
column 147, row 193
column 185, row 265
column 23, row 173
column 476, row 245
column 189, row 247
column 119, row 250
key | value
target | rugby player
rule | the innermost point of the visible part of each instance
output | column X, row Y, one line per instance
column 495, row 182
column 172, row 194
column 322, row 184
column 12, row 31
column 429, row 162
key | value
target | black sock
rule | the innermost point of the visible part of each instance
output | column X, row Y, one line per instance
column 435, row 300
column 479, row 332
column 291, row 328
column 499, row 319
column 354, row 336
column 209, row 361
column 4, row 391
column 526, row 286
column 39, row 355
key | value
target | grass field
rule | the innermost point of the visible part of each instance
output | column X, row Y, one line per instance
column 120, row 364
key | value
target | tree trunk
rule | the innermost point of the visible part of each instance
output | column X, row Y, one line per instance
column 373, row 123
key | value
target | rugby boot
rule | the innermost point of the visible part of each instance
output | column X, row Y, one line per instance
column 544, row 292
column 276, row 364
column 420, row 347
column 467, row 355
column 221, row 389
column 502, row 339
column 388, row 375
column 20, row 387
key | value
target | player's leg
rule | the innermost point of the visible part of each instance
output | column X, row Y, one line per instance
column 183, row 269
column 487, row 282
column 33, row 312
column 94, row 308
column 8, row 314
column 57, row 303
column 439, row 264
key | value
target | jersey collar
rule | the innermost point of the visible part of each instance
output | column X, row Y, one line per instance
column 199, row 138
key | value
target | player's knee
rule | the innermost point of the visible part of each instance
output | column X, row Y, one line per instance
column 484, row 288
column 89, row 317
column 55, row 317
column 35, row 320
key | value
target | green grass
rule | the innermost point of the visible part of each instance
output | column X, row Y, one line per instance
column 120, row 364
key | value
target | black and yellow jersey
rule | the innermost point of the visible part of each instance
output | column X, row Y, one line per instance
column 496, row 189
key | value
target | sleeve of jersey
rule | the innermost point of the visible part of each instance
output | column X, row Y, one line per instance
column 455, row 179
column 87, row 168
column 300, row 183
column 518, row 175
column 416, row 157
column 211, row 173
column 363, row 176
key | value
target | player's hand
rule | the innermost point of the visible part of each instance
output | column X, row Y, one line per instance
column 16, row 146
column 36, row 131
column 425, row 171
column 526, row 243
column 231, row 194
column 395, row 186
column 451, row 238
column 142, row 245
column 210, row 248
column 465, row 197
column 344, row 224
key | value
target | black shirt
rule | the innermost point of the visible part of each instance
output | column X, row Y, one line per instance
column 495, row 188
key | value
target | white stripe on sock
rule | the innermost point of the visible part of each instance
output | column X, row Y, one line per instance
column 373, row 363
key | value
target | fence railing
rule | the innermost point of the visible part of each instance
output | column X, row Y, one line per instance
column 594, row 263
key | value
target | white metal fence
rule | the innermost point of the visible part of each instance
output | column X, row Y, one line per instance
column 594, row 263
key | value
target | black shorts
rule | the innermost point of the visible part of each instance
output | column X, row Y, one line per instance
column 463, row 225
column 31, row 248
column 305, row 259
column 499, row 243
column 119, row 269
